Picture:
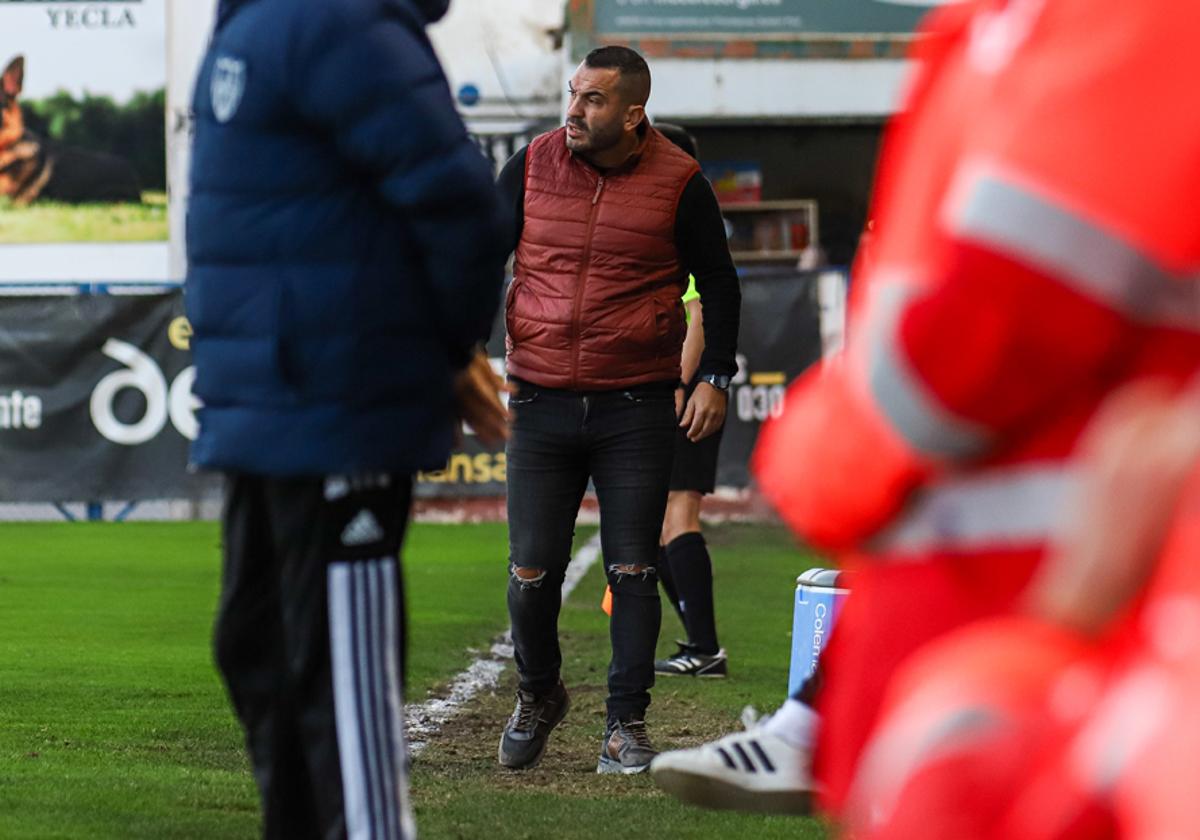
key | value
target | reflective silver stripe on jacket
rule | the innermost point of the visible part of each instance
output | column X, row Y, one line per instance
column 1080, row 254
column 912, row 739
column 1084, row 256
column 911, row 409
column 1005, row 508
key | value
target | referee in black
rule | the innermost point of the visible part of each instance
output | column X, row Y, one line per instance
column 685, row 568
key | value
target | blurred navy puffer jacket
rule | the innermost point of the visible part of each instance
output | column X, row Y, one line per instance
column 344, row 240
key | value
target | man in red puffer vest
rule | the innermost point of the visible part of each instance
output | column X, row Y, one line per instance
column 611, row 219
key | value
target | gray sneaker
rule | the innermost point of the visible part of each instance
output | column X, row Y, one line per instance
column 528, row 730
column 626, row 748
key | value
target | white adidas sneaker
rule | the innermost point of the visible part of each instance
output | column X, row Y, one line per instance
column 754, row 770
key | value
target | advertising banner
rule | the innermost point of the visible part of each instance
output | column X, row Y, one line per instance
column 780, row 337
column 95, row 399
column 96, row 395
column 83, row 174
column 96, row 404
column 760, row 17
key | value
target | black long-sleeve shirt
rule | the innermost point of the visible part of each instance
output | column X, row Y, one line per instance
column 703, row 252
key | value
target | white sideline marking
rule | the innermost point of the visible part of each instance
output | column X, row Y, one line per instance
column 423, row 721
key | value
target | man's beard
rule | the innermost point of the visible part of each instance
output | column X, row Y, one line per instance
column 594, row 140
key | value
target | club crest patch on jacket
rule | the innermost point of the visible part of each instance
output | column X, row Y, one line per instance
column 228, row 85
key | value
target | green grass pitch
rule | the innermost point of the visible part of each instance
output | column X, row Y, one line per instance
column 113, row 723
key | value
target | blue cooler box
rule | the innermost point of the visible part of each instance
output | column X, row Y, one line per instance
column 818, row 601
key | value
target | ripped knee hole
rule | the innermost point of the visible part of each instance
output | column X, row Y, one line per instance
column 528, row 578
column 622, row 571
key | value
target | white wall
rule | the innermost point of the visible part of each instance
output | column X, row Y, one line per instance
column 507, row 50
column 189, row 25
column 775, row 89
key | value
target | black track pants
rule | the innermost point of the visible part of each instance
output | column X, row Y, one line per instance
column 309, row 641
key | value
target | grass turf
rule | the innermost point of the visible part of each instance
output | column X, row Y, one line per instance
column 113, row 723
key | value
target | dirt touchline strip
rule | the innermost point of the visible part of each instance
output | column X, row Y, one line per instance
column 423, row 721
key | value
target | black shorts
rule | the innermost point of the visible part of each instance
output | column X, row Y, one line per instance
column 695, row 465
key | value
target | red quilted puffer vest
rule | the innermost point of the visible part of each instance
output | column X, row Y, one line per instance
column 594, row 303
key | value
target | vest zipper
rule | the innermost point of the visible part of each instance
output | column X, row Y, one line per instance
column 579, row 282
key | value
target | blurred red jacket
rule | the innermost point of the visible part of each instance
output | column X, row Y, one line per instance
column 1034, row 251
column 1016, row 730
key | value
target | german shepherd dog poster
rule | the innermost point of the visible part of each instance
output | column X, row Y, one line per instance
column 33, row 168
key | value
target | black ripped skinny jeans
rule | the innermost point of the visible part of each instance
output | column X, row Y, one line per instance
column 623, row 440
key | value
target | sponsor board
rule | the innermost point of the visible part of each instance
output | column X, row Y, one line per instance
column 96, row 399
column 83, row 173
column 96, row 395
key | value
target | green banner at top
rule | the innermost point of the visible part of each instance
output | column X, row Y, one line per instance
column 759, row 17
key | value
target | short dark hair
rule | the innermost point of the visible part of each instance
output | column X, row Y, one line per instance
column 678, row 135
column 635, row 74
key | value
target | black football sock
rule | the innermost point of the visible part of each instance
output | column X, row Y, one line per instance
column 668, row 584
column 691, row 567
